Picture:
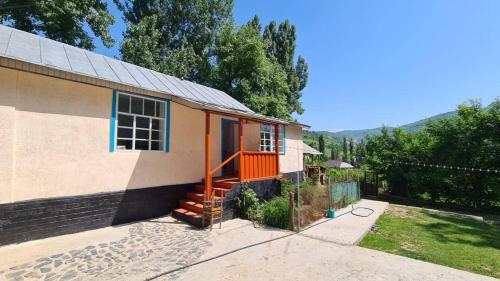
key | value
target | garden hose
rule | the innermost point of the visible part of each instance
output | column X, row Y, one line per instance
column 362, row 208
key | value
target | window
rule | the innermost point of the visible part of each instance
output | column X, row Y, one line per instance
column 140, row 123
column 267, row 138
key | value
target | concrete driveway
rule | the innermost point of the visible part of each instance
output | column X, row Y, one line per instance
column 143, row 250
column 323, row 252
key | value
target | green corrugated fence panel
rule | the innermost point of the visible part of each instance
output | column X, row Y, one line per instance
column 345, row 189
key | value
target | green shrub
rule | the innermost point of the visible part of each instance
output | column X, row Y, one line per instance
column 249, row 204
column 275, row 212
column 286, row 186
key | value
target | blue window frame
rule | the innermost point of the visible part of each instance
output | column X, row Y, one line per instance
column 267, row 138
column 139, row 123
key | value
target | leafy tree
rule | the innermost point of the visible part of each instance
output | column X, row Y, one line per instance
column 332, row 153
column 61, row 20
column 173, row 36
column 321, row 141
column 243, row 70
column 469, row 140
column 281, row 44
column 344, row 150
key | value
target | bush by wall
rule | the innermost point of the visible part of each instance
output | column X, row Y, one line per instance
column 275, row 212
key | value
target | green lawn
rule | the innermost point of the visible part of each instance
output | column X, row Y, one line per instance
column 438, row 238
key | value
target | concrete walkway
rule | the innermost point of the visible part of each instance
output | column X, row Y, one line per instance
column 348, row 228
column 145, row 249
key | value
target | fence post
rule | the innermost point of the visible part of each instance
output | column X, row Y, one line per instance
column 291, row 213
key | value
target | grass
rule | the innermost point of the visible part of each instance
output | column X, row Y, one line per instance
column 439, row 238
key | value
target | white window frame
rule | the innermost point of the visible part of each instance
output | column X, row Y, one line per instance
column 161, row 129
column 267, row 133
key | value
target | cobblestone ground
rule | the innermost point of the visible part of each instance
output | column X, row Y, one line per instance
column 149, row 248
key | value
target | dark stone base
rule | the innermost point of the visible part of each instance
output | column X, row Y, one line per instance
column 293, row 176
column 41, row 218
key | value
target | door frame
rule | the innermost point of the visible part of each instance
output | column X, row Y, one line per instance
column 225, row 121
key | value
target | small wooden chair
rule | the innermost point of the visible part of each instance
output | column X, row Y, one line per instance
column 213, row 208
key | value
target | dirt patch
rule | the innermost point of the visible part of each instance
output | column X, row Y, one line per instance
column 399, row 212
column 409, row 246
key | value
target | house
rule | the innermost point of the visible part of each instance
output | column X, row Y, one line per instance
column 87, row 141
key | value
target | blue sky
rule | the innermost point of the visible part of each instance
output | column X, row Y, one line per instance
column 385, row 62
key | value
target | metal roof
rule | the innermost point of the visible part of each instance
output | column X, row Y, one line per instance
column 338, row 164
column 310, row 150
column 34, row 49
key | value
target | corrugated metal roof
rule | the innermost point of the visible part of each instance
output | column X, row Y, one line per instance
column 310, row 150
column 31, row 48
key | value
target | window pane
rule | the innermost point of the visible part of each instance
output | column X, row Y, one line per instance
column 142, row 122
column 136, row 105
column 155, row 135
column 125, row 120
column 141, row 145
column 142, row 134
column 124, row 103
column 149, row 107
column 123, row 144
column 125, row 133
column 155, row 124
column 155, row 145
column 160, row 109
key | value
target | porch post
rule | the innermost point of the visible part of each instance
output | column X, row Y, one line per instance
column 240, row 148
column 277, row 148
column 208, row 177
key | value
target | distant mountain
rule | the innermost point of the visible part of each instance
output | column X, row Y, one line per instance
column 411, row 127
column 361, row 134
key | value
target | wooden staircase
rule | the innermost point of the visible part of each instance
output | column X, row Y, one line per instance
column 191, row 208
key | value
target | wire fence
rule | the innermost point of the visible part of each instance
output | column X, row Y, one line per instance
column 315, row 200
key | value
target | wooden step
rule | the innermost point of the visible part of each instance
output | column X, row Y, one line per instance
column 188, row 216
column 191, row 206
column 200, row 188
column 222, row 179
column 199, row 197
column 224, row 184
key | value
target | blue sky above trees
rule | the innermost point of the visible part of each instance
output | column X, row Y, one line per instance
column 383, row 62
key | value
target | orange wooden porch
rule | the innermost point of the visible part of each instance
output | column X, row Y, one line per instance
column 252, row 166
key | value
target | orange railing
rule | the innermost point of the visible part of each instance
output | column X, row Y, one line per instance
column 258, row 165
column 253, row 164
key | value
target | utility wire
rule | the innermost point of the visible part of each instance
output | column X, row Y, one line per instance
column 449, row 167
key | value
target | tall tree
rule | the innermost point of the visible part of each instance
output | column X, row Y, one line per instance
column 281, row 44
column 360, row 153
column 351, row 151
column 321, row 141
column 61, row 20
column 332, row 153
column 176, row 37
column 344, row 150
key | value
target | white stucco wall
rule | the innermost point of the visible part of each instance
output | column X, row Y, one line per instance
column 292, row 160
column 54, row 141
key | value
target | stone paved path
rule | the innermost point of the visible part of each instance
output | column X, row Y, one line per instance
column 148, row 248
